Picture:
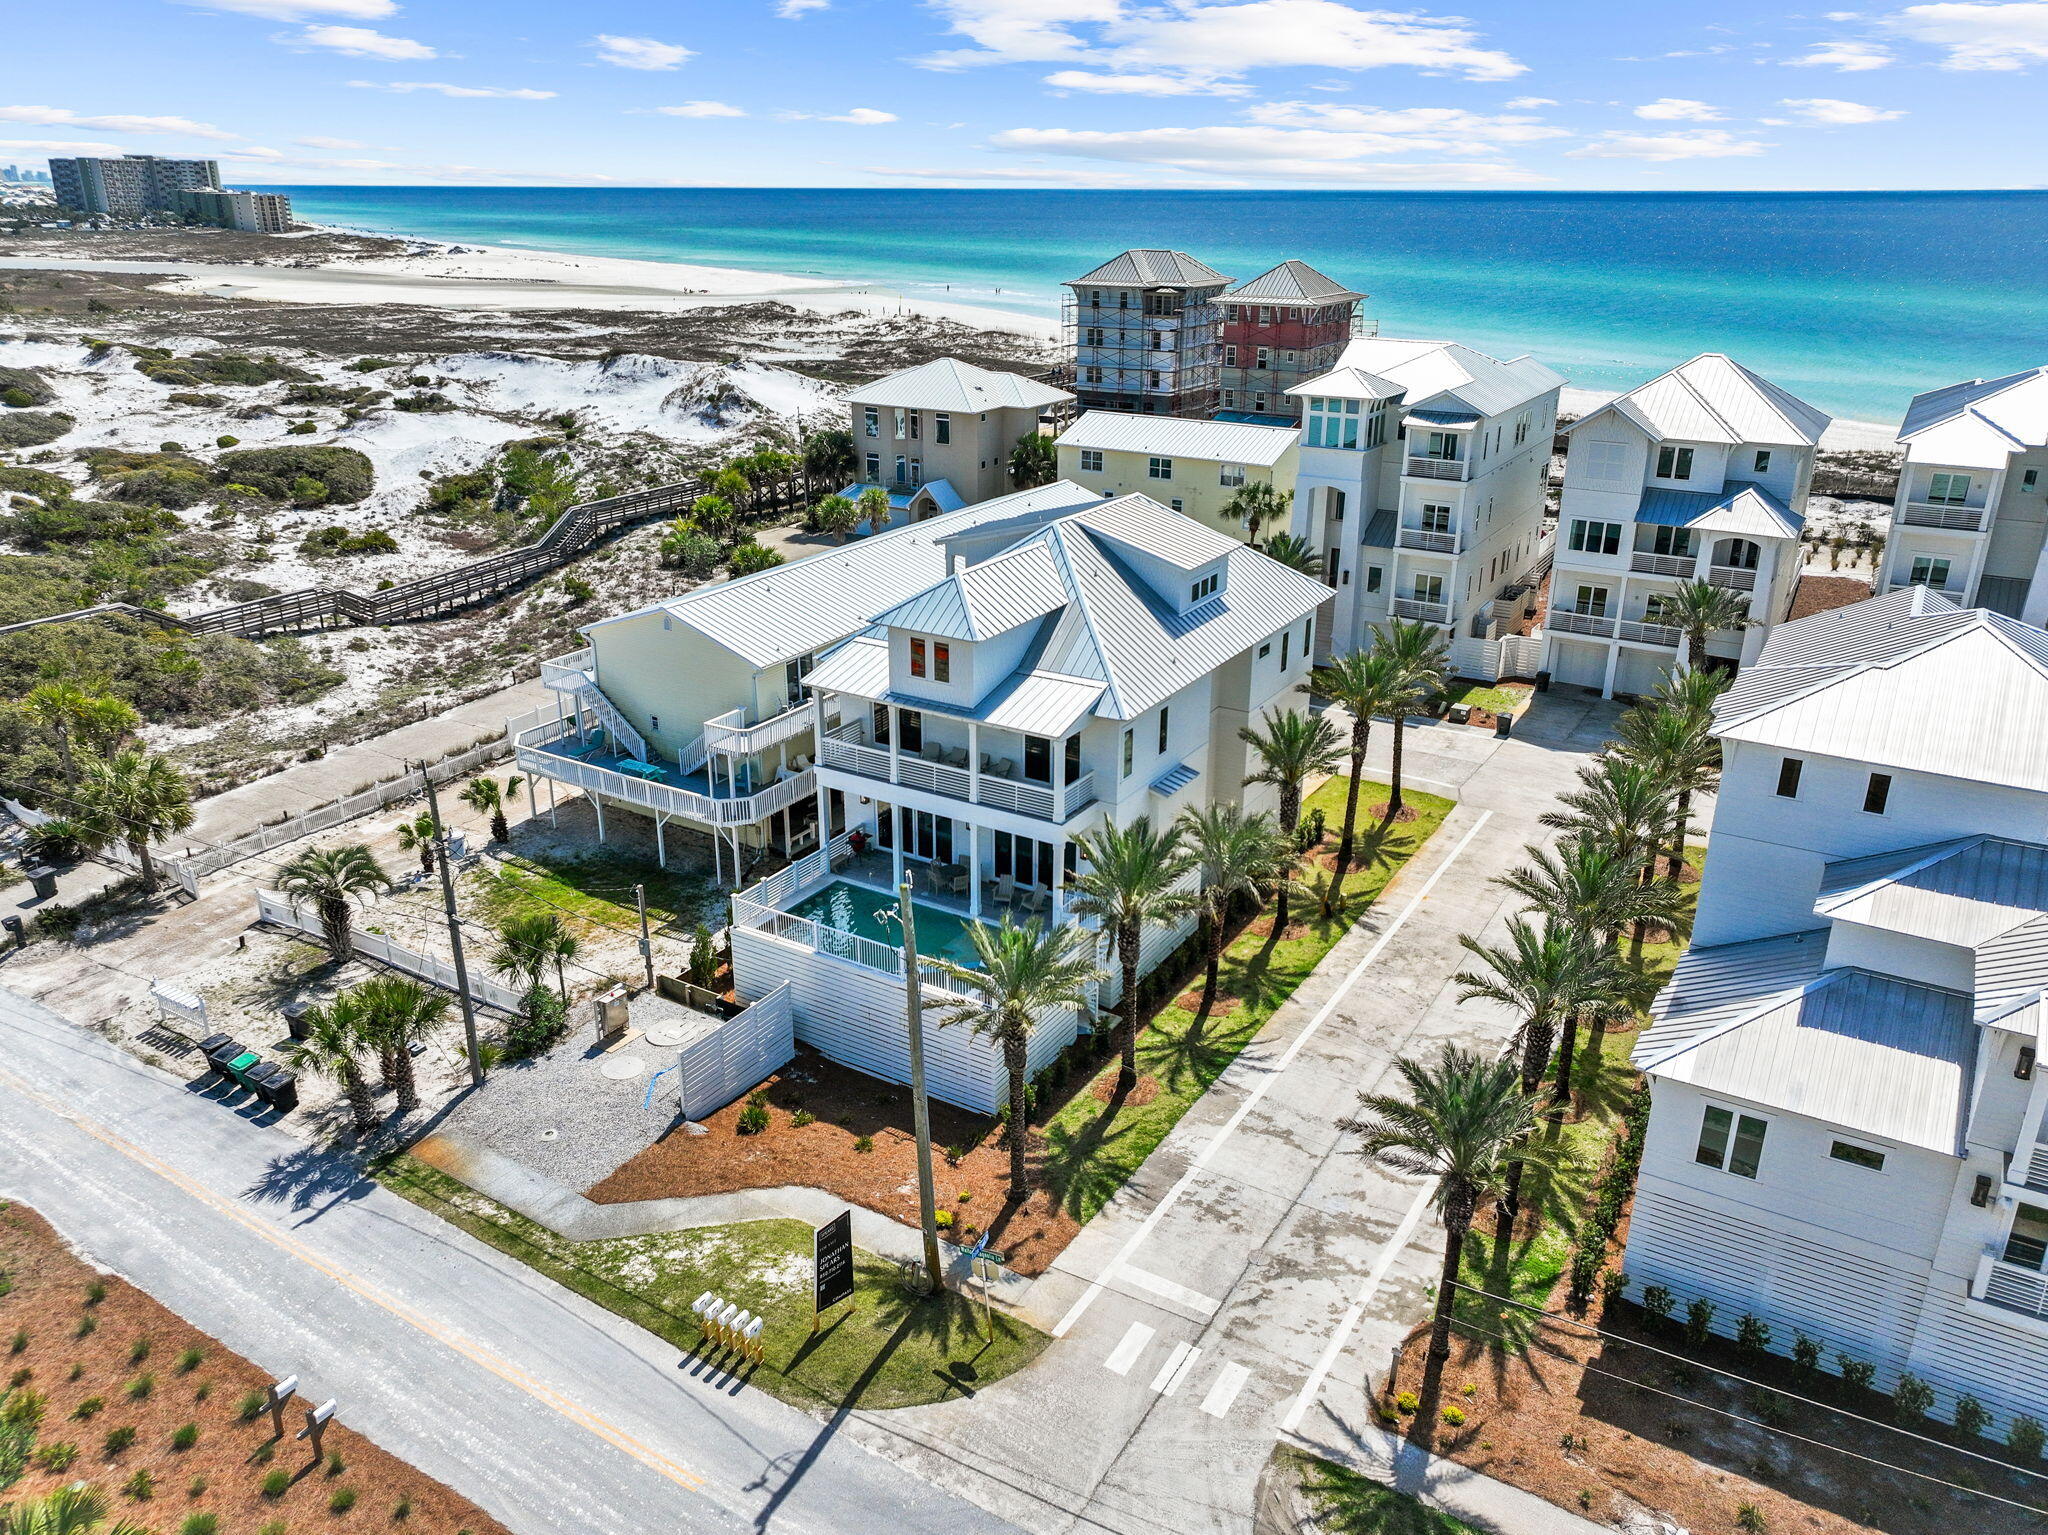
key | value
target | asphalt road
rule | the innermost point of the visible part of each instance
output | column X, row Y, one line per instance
column 548, row 1412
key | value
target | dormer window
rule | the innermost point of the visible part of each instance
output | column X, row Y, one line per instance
column 942, row 661
column 1674, row 463
column 1205, row 588
column 918, row 663
column 1332, row 423
column 1762, row 463
column 931, row 658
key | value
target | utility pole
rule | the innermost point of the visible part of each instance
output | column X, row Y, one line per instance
column 476, row 1064
column 646, row 944
column 920, row 1108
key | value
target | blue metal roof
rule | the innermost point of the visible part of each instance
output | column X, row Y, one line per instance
column 1254, row 418
column 1174, row 779
column 1379, row 533
column 1741, row 507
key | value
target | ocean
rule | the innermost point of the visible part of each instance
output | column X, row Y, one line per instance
column 1852, row 300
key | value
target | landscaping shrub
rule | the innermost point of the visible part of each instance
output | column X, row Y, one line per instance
column 803, row 1117
column 185, row 1436
column 1611, row 1193
column 1912, row 1398
column 1752, row 1334
column 200, row 1524
column 1856, row 1372
column 138, row 1351
column 140, row 1387
column 252, row 1405
column 1454, row 1416
column 748, row 557
column 343, row 1500
column 89, row 1406
column 23, row 1409
column 277, row 1483
column 689, row 549
column 140, row 1486
column 1805, row 1356
column 2025, row 1437
column 348, row 475
column 864, row 1143
column 118, row 1439
column 753, row 1119
column 1699, row 1322
column 190, row 1360
column 57, row 1456
column 1971, row 1417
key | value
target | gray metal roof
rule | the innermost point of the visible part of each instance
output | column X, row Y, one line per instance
column 1963, row 893
column 1862, row 1051
column 1442, row 375
column 1159, row 531
column 1458, row 418
column 1720, row 985
column 947, row 383
column 1347, row 383
column 1713, row 398
column 2010, row 966
column 1150, row 269
column 1293, row 282
column 986, row 599
column 1379, row 532
column 2014, row 407
column 1228, row 442
column 1742, row 508
column 1035, row 703
column 1174, row 779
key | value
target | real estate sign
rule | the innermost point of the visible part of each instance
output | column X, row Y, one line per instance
column 832, row 1260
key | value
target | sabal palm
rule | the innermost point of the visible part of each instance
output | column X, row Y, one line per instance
column 1239, row 855
column 332, row 1049
column 1420, row 658
column 1292, row 748
column 1591, row 887
column 1255, row 504
column 135, row 798
column 326, row 877
column 1297, row 554
column 398, row 1013
column 487, row 797
column 76, row 718
column 1466, row 1120
column 417, row 836
column 80, row 1509
column 1678, row 745
column 526, row 944
column 873, row 506
column 1033, row 461
column 1699, row 609
column 1547, row 974
column 1019, row 973
column 1130, row 880
column 1366, row 683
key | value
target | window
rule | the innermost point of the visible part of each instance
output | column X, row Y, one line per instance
column 1788, row 777
column 1175, row 504
column 1431, row 588
column 1762, row 465
column 1333, row 504
column 1038, row 759
column 942, row 661
column 1857, row 1156
column 1591, row 601
column 1596, row 537
column 1230, row 357
column 1130, row 751
column 1094, row 337
column 917, row 471
column 1730, row 1141
column 1521, row 430
column 1265, row 358
column 912, row 724
column 1091, row 375
column 2029, row 479
column 1674, row 463
column 1332, row 423
column 1265, row 315
column 1230, row 476
column 1441, row 445
column 916, row 423
column 871, row 421
column 1928, row 571
column 1072, row 753
column 874, row 468
column 1285, row 636
column 1876, row 793
column 902, row 423
column 942, row 427
column 1159, row 468
column 917, row 657
column 1162, row 727
column 1229, row 403
column 1681, row 542
column 1265, row 650
column 1435, row 519
column 1332, row 562
column 1657, row 608
column 1259, row 403
column 2027, row 1244
column 1603, row 460
column 1091, row 460
column 1374, row 574
column 1949, row 489
column 1206, row 587
column 902, row 469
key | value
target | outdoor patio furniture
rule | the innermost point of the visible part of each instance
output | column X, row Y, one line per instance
column 934, row 753
column 1038, row 902
column 1004, row 889
column 800, row 763
column 956, row 756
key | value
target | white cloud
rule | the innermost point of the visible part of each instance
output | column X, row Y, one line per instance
column 113, row 122
column 1258, row 151
column 1528, row 103
column 1431, row 130
column 1675, row 109
column 299, row 10
column 2000, row 37
column 1848, row 58
column 1142, row 85
column 321, row 143
column 860, row 117
column 361, row 42
column 789, row 10
column 493, row 92
column 57, row 147
column 1826, row 109
column 701, row 109
column 638, row 52
column 1689, row 144
column 1219, row 40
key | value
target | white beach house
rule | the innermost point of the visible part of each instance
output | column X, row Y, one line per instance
column 1973, row 495
column 1847, row 1137
column 1053, row 675
column 1701, row 474
column 1421, row 480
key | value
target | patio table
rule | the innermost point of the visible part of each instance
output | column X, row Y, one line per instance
column 639, row 769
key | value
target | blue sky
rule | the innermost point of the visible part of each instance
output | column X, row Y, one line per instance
column 1611, row 94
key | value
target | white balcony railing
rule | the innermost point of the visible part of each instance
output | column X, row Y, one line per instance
column 1663, row 564
column 1040, row 801
column 1568, row 622
column 1427, row 612
column 578, row 669
column 2007, row 1284
column 1437, row 468
column 1649, row 634
column 731, row 734
column 1733, row 577
column 528, row 749
column 1927, row 514
column 1425, row 538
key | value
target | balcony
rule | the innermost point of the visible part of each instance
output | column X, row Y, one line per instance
column 1437, row 468
column 1663, row 564
column 1430, row 540
column 1567, row 622
column 849, row 750
column 557, row 750
column 2010, row 1285
column 1956, row 519
column 566, row 674
column 731, row 735
column 1733, row 577
column 1427, row 612
column 1649, row 634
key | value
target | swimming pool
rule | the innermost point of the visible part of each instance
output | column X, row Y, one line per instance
column 869, row 913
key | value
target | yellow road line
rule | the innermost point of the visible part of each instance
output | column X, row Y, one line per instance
column 503, row 1368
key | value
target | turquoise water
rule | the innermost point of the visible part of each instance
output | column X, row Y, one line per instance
column 867, row 913
column 1853, row 300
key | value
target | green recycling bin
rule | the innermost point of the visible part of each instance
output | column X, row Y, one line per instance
column 238, row 1068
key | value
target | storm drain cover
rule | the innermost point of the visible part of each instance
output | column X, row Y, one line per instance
column 551, row 1134
column 622, row 1068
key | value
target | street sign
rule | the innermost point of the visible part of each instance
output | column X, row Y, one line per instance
column 832, row 1261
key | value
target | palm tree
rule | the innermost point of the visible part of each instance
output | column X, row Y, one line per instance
column 1292, row 749
column 1699, row 609
column 1296, row 554
column 1129, row 881
column 417, row 836
column 1033, row 461
column 528, row 943
column 398, row 1013
column 1239, row 855
column 829, row 459
column 80, row 1509
column 874, row 508
column 1467, row 1122
column 486, row 797
column 136, row 798
column 1625, row 806
column 334, row 1036
column 716, row 515
column 1695, row 691
column 550, row 937
column 326, row 877
column 1421, row 662
column 1547, row 975
column 1677, row 745
column 1592, row 887
column 1365, row 683
column 1255, row 503
column 1018, row 973
column 76, row 719
column 837, row 516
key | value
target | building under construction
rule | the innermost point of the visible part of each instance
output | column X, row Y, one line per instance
column 1145, row 331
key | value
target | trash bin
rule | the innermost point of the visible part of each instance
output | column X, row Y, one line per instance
column 238, row 1068
column 42, row 879
column 1543, row 682
column 295, row 1018
column 274, row 1085
column 16, row 929
column 219, row 1049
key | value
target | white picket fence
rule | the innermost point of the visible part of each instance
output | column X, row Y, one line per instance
column 279, row 912
column 739, row 1055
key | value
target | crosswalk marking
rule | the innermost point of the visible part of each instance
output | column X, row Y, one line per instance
column 1176, row 1368
column 1229, row 1381
column 1166, row 1289
column 1126, row 1353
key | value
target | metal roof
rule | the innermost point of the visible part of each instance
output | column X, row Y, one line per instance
column 1293, row 282
column 984, row 600
column 2011, row 966
column 1981, row 423
column 1713, row 398
column 1379, row 532
column 1964, row 893
column 1345, row 383
column 1035, row 703
column 1174, row 779
column 1741, row 508
column 1143, row 524
column 1720, row 985
column 1227, row 442
column 1443, row 417
column 1443, row 375
column 1150, row 269
column 1863, row 1051
column 947, row 383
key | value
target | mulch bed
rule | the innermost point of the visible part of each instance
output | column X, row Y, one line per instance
column 222, row 1473
column 823, row 1154
column 1142, row 1092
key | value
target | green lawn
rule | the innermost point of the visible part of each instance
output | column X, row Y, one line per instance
column 1093, row 1147
column 1348, row 1502
column 597, row 887
column 1493, row 699
column 888, row 1348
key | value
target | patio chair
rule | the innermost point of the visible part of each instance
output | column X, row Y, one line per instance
column 956, row 756
column 800, row 763
column 934, row 753
column 1004, row 889
column 958, row 880
column 1038, row 902
column 1004, row 768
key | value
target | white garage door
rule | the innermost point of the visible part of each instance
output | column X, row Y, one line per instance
column 1578, row 663
column 1640, row 671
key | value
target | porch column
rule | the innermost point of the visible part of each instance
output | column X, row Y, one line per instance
column 598, row 801
column 1059, row 793
column 553, row 819
column 895, row 745
column 1613, row 661
column 660, row 840
column 824, row 816
column 717, row 862
column 896, row 835
column 974, row 872
column 974, row 761
column 1059, row 880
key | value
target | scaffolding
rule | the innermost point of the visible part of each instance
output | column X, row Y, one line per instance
column 1150, row 351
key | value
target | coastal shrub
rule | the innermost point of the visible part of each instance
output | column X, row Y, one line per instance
column 39, row 483
column 215, row 369
column 577, row 590
column 1699, row 1322
column 23, row 387
column 749, row 557
column 17, row 399
column 1858, row 1373
column 1972, row 1418
column 347, row 475
column 1752, row 1334
column 117, row 1440
column 1912, row 1398
column 753, row 1119
column 2025, row 1437
column 332, row 394
column 302, row 429
column 368, row 364
column 32, row 428
column 200, row 399
column 177, row 488
column 277, row 1483
column 689, row 549
column 329, row 542
column 57, row 1456
column 1805, row 1356
column 425, row 402
column 225, row 441
column 141, row 1486
column 58, row 523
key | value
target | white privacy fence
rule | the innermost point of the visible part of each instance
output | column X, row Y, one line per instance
column 739, row 1055
column 279, row 912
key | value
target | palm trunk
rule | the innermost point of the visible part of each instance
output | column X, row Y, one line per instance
column 334, row 919
column 1535, row 1056
column 1458, row 1211
column 561, row 985
column 1394, row 789
column 387, row 1063
column 1290, row 827
column 1676, row 866
column 1127, row 954
column 140, row 847
column 1018, row 1065
column 500, row 832
column 1561, row 1089
column 1212, row 945
column 362, row 1107
column 1359, row 741
column 407, row 1084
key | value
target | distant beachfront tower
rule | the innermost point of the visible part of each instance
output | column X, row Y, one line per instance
column 1283, row 326
column 1145, row 332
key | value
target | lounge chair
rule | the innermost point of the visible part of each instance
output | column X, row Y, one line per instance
column 800, row 763
column 1004, row 889
column 1004, row 768
column 958, row 880
column 956, row 756
column 934, row 753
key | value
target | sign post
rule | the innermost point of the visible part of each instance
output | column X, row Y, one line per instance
column 832, row 1264
column 281, row 1391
